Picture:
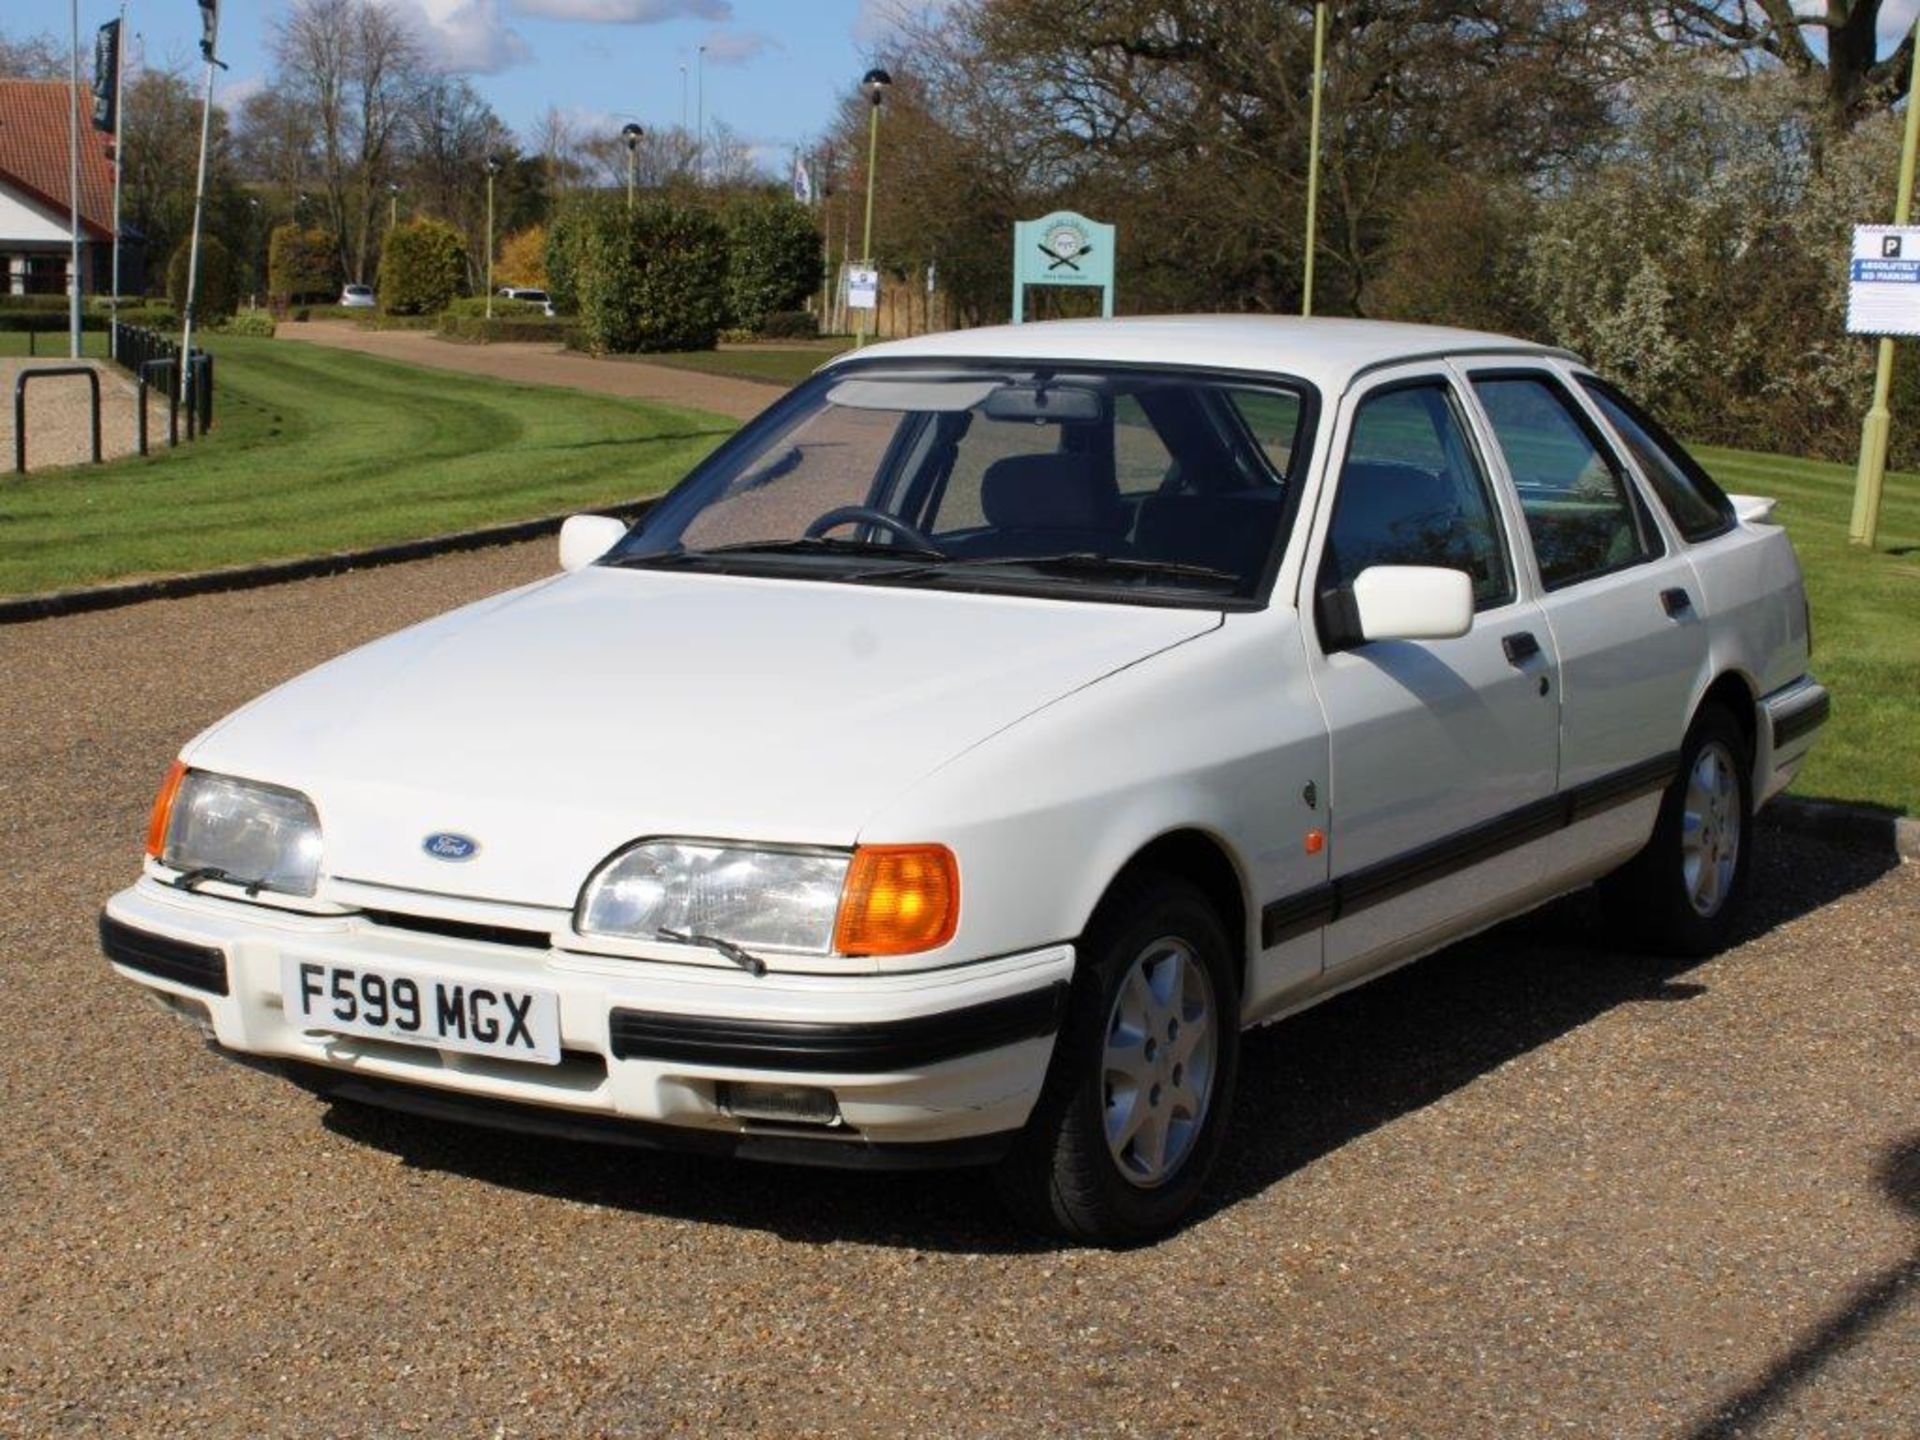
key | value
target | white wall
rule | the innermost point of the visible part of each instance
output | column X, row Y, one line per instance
column 26, row 221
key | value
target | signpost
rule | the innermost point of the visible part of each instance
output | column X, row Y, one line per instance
column 1063, row 248
column 863, row 288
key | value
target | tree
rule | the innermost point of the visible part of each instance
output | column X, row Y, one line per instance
column 423, row 266
column 33, row 57
column 356, row 67
column 523, row 259
column 302, row 265
column 773, row 258
column 1835, row 42
column 649, row 278
column 216, row 293
column 160, row 147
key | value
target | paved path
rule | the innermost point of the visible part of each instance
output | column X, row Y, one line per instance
column 1528, row 1187
column 546, row 365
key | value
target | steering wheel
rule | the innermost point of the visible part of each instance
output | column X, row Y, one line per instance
column 867, row 515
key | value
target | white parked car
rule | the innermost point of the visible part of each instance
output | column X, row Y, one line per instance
column 358, row 297
column 956, row 761
column 529, row 296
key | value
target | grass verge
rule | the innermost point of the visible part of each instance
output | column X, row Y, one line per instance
column 1866, row 621
column 769, row 365
column 316, row 450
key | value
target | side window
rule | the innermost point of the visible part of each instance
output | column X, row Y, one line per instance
column 1579, row 509
column 1272, row 418
column 1700, row 508
column 1412, row 493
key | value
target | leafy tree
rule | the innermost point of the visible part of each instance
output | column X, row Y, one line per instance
column 650, row 278
column 423, row 267
column 302, row 265
column 773, row 258
column 523, row 259
column 216, row 292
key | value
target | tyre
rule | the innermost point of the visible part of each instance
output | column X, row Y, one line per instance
column 1135, row 1102
column 1682, row 895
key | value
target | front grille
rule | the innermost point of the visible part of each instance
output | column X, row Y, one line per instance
column 200, row 966
column 461, row 929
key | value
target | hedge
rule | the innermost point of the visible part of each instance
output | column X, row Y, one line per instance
column 422, row 267
column 257, row 323
column 473, row 306
column 216, row 289
column 48, row 322
column 773, row 258
column 477, row 329
column 790, row 325
column 302, row 265
column 650, row 278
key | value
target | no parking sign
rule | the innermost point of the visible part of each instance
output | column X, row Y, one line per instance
column 1883, row 289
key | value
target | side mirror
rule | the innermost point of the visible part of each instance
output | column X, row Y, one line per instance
column 1397, row 602
column 585, row 538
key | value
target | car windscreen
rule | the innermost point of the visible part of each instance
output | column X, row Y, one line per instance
column 1089, row 481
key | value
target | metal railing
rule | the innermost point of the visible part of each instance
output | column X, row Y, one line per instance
column 136, row 348
column 20, row 407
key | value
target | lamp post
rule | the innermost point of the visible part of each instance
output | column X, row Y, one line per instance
column 631, row 133
column 260, row 245
column 874, row 85
column 493, row 169
column 393, row 205
column 1313, row 153
column 700, row 116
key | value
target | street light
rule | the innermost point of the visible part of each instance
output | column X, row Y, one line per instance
column 393, row 204
column 631, row 133
column 260, row 245
column 874, row 85
column 493, row 169
column 700, row 140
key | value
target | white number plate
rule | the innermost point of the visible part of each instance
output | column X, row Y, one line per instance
column 475, row 1016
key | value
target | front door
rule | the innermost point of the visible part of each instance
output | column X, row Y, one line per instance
column 1444, row 752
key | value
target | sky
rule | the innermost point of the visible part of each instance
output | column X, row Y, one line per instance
column 774, row 69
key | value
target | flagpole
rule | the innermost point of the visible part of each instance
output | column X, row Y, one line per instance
column 199, row 205
column 73, row 185
column 119, row 169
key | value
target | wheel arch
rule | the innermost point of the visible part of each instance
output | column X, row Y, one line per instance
column 1735, row 691
column 1206, row 861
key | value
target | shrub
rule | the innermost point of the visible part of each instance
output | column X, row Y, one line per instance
column 523, row 259
column 773, row 258
column 789, row 325
column 652, row 278
column 215, row 292
column 257, row 323
column 302, row 315
column 423, row 266
column 301, row 265
column 477, row 329
column 503, row 308
column 563, row 239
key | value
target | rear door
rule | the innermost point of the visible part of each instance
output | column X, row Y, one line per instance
column 1619, row 598
column 1443, row 751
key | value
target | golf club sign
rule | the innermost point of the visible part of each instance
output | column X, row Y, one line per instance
column 1063, row 248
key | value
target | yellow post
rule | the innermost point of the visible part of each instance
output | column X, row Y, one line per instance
column 866, row 235
column 1313, row 152
column 1879, row 422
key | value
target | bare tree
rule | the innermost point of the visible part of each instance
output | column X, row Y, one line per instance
column 1834, row 41
column 33, row 57
column 354, row 65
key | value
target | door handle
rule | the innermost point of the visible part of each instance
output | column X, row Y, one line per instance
column 1675, row 601
column 1520, row 646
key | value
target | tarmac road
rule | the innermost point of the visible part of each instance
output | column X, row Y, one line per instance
column 1526, row 1187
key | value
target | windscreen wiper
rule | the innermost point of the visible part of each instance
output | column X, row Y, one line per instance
column 797, row 545
column 747, row 961
column 1080, row 562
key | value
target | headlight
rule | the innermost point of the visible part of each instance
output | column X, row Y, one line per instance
column 249, row 832
column 765, row 899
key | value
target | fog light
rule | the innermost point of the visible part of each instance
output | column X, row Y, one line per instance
column 782, row 1104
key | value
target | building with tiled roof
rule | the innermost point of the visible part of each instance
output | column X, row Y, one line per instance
column 35, row 209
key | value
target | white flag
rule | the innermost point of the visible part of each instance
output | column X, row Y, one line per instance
column 802, row 179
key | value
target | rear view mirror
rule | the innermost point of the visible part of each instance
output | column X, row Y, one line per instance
column 585, row 538
column 1046, row 404
column 1398, row 602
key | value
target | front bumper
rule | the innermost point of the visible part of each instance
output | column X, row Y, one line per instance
column 944, row 1064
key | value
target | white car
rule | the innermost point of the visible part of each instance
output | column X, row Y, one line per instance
column 530, row 297
column 954, row 763
column 358, row 297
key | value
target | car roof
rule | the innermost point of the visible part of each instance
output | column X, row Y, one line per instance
column 1327, row 351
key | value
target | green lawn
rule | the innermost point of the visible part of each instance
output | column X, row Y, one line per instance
column 50, row 346
column 316, row 450
column 1866, row 621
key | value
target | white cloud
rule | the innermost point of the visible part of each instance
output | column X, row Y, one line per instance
column 626, row 12
column 237, row 91
column 738, row 47
column 464, row 37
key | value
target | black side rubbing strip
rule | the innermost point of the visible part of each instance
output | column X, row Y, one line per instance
column 862, row 1048
column 1808, row 718
column 200, row 966
column 1385, row 880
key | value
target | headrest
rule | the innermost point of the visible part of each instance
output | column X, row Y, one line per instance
column 1046, row 492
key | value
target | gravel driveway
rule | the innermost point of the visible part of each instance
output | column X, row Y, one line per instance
column 1526, row 1187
